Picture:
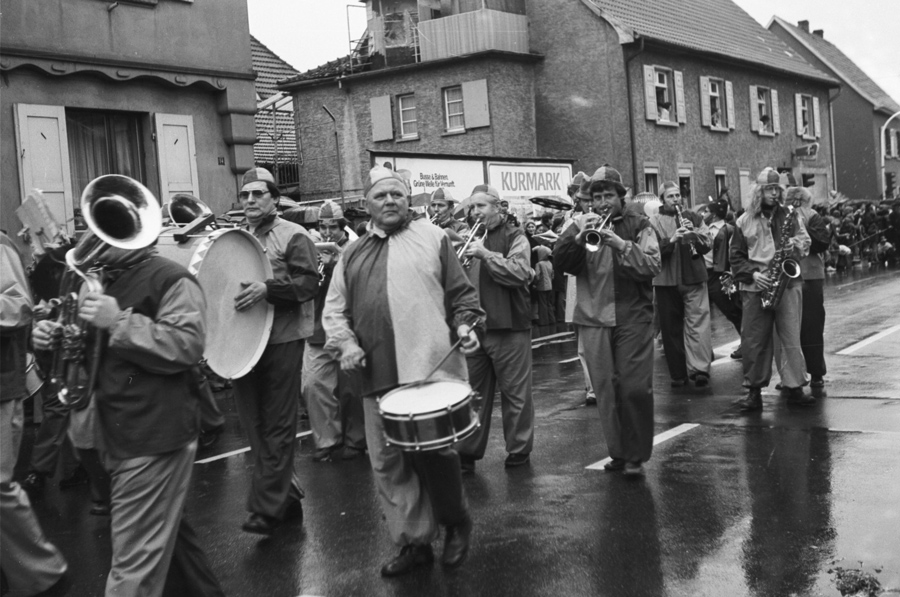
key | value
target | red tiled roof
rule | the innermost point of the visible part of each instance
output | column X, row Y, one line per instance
column 718, row 27
column 269, row 67
column 843, row 66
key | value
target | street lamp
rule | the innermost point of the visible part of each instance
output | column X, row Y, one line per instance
column 337, row 151
column 883, row 150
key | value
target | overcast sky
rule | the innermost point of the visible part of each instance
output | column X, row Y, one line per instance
column 307, row 33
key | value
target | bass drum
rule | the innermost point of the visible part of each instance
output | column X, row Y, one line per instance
column 221, row 260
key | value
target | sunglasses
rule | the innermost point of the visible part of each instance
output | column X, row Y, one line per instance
column 256, row 194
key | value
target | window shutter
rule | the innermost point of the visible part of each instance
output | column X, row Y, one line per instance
column 176, row 155
column 705, row 116
column 776, row 119
column 798, row 113
column 816, row 117
column 680, row 108
column 382, row 121
column 754, row 108
column 729, row 103
column 476, row 111
column 894, row 138
column 43, row 154
column 650, row 93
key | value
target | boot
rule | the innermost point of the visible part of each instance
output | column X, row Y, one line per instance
column 752, row 403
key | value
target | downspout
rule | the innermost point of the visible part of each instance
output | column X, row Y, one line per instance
column 831, row 126
column 634, row 174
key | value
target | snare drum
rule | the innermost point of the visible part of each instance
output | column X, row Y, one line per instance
column 428, row 416
column 221, row 260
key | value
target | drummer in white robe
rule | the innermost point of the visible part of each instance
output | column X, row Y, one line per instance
column 398, row 299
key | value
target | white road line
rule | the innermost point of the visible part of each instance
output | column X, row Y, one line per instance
column 572, row 360
column 241, row 451
column 869, row 340
column 666, row 435
column 551, row 337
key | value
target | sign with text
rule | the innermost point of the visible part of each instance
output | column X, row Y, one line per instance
column 427, row 175
column 517, row 183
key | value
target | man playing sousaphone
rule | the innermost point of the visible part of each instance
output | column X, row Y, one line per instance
column 398, row 299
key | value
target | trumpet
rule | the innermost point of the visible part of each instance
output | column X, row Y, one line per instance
column 728, row 285
column 685, row 223
column 592, row 238
column 473, row 234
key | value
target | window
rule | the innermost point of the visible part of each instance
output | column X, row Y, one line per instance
column 664, row 95
column 716, row 104
column 651, row 179
column 890, row 143
column 454, row 119
column 894, row 143
column 103, row 143
column 406, row 104
column 721, row 184
column 807, row 114
column 686, row 184
column 889, row 184
column 764, row 116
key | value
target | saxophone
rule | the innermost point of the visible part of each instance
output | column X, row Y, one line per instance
column 782, row 265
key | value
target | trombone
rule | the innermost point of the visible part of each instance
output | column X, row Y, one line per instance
column 592, row 238
column 467, row 261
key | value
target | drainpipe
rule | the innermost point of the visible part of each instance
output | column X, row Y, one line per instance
column 634, row 171
column 831, row 125
column 883, row 150
column 337, row 152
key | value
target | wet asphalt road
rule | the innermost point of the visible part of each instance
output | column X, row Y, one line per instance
column 734, row 505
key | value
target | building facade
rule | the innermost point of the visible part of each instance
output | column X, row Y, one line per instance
column 162, row 92
column 859, row 113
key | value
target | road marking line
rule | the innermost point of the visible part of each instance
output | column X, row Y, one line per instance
column 552, row 336
column 572, row 360
column 869, row 340
column 658, row 439
column 241, row 451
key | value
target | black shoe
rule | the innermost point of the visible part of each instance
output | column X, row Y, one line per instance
column 633, row 469
column 323, row 454
column 513, row 460
column 752, row 403
column 99, row 509
column 701, row 379
column 34, row 483
column 817, row 382
column 466, row 464
column 590, row 399
column 737, row 354
column 351, row 453
column 456, row 543
column 209, row 437
column 79, row 477
column 677, row 383
column 294, row 511
column 410, row 558
column 260, row 524
column 798, row 397
column 614, row 465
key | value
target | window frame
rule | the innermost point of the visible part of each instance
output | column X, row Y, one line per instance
column 462, row 109
column 669, row 92
column 687, row 171
column 768, row 128
column 400, row 116
column 651, row 170
column 723, row 107
column 806, row 107
column 723, row 174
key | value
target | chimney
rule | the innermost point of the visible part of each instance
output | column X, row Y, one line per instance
column 803, row 25
column 820, row 33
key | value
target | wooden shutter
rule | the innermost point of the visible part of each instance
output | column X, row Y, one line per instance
column 176, row 155
column 680, row 108
column 382, row 121
column 816, row 118
column 650, row 93
column 705, row 110
column 894, row 138
column 729, row 103
column 754, row 108
column 42, row 145
column 776, row 119
column 476, row 111
column 798, row 113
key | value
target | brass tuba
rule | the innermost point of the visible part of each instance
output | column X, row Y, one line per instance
column 120, row 212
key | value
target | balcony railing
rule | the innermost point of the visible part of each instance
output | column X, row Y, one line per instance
column 470, row 32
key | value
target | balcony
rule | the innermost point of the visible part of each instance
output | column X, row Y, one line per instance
column 470, row 32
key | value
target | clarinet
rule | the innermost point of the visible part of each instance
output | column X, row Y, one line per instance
column 685, row 223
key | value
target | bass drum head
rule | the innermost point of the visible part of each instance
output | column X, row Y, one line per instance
column 221, row 260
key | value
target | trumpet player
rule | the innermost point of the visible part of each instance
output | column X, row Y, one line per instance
column 721, row 286
column 614, row 316
column 757, row 239
column 682, row 300
column 442, row 205
column 501, row 272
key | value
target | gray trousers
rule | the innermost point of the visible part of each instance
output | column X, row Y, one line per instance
column 30, row 562
column 504, row 360
column 759, row 329
column 417, row 491
column 335, row 410
column 620, row 361
column 266, row 400
column 684, row 320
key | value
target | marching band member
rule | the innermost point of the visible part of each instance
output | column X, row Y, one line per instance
column 501, row 272
column 335, row 409
column 443, row 204
column 682, row 300
column 153, row 312
column 267, row 397
column 757, row 238
column 614, row 317
column 718, row 267
column 397, row 297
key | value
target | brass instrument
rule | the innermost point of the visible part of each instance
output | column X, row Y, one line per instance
column 685, row 223
column 782, row 266
column 120, row 212
column 728, row 285
column 184, row 209
column 592, row 238
column 326, row 245
column 434, row 219
column 473, row 234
